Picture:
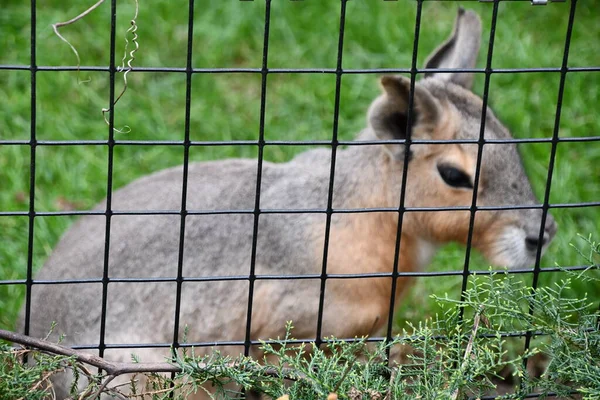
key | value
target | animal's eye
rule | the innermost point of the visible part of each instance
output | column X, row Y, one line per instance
column 454, row 177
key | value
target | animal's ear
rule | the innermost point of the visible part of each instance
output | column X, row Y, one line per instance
column 388, row 115
column 459, row 51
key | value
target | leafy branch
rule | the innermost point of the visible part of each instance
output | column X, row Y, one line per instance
column 443, row 357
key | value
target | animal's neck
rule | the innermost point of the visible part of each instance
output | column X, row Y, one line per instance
column 366, row 243
column 367, row 179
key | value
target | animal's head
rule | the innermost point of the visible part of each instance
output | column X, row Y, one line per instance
column 443, row 174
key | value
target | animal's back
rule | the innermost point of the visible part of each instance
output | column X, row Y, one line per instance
column 146, row 246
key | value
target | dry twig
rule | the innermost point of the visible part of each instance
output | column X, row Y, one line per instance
column 125, row 60
column 111, row 368
column 469, row 346
column 72, row 21
column 115, row 369
column 128, row 56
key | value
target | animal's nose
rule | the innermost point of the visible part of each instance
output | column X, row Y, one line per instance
column 532, row 241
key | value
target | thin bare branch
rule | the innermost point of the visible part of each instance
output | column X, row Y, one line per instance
column 388, row 395
column 72, row 21
column 133, row 30
column 118, row 368
column 126, row 62
column 108, row 379
column 111, row 368
column 469, row 346
column 77, row 18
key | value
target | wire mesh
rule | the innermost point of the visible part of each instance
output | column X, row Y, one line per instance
column 257, row 211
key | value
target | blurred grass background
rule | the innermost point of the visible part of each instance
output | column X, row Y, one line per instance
column 304, row 34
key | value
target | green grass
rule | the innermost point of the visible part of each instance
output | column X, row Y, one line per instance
column 299, row 107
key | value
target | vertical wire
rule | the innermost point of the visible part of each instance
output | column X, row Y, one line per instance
column 261, row 144
column 480, row 144
column 401, row 207
column 555, row 139
column 186, row 160
column 334, row 145
column 109, row 177
column 32, row 153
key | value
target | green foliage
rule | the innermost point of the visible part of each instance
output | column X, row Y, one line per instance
column 459, row 354
column 31, row 382
column 464, row 352
column 378, row 34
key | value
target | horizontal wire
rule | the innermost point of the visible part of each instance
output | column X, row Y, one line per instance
column 370, row 275
column 295, row 211
column 373, row 339
column 208, row 143
column 225, row 70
